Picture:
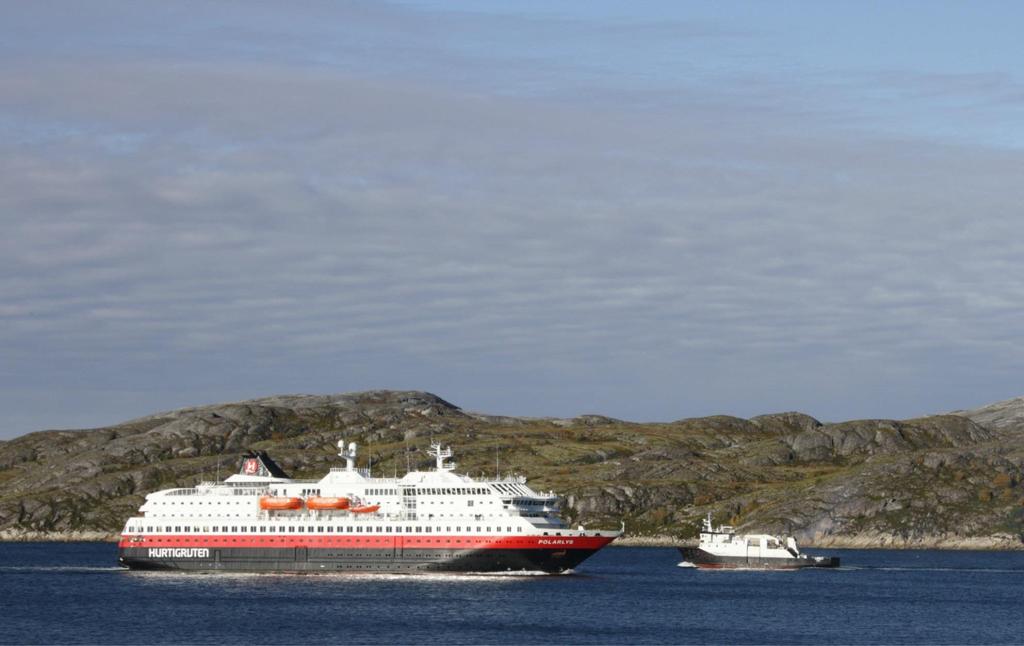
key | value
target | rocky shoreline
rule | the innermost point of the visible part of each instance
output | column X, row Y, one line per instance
column 28, row 536
column 998, row 542
column 950, row 481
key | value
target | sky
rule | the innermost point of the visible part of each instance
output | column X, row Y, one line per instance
column 648, row 211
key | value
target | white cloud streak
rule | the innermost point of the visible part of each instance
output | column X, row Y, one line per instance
column 215, row 227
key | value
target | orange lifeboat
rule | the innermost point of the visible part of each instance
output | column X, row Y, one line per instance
column 280, row 502
column 326, row 502
column 364, row 509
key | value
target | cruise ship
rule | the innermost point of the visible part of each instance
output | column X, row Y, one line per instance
column 261, row 520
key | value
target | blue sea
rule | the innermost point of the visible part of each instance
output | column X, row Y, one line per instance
column 73, row 593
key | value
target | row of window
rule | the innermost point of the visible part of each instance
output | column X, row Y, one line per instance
column 412, row 505
column 235, row 490
column 200, row 502
column 426, row 491
column 302, row 529
column 528, row 502
column 411, row 510
column 452, row 491
column 469, row 503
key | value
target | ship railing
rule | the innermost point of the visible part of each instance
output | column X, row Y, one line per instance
column 219, row 491
column 363, row 472
column 508, row 478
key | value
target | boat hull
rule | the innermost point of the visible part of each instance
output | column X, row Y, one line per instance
column 707, row 560
column 504, row 555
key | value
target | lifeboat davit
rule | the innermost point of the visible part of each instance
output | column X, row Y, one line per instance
column 327, row 502
column 280, row 502
column 364, row 509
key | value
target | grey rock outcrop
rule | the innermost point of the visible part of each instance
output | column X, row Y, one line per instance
column 944, row 478
column 1005, row 417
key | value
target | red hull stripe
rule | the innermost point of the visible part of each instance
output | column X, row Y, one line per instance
column 367, row 541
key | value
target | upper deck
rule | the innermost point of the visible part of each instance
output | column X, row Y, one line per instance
column 438, row 495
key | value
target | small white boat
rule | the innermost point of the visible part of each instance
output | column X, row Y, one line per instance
column 722, row 547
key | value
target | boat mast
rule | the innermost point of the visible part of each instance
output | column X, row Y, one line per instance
column 440, row 455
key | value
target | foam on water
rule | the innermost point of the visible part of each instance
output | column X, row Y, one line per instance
column 58, row 568
column 412, row 577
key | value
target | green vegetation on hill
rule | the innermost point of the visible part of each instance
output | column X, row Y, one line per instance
column 891, row 481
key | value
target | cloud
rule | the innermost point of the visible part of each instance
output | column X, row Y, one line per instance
column 217, row 225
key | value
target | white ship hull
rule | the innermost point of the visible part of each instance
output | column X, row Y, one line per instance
column 706, row 560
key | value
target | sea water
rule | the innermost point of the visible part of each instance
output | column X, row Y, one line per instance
column 74, row 593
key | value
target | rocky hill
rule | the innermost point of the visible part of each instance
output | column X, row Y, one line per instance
column 945, row 480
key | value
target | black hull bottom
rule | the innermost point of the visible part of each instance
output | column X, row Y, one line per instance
column 702, row 559
column 334, row 560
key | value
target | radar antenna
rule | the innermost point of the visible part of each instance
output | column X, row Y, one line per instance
column 349, row 455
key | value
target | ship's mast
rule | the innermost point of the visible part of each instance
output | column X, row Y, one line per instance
column 440, row 455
